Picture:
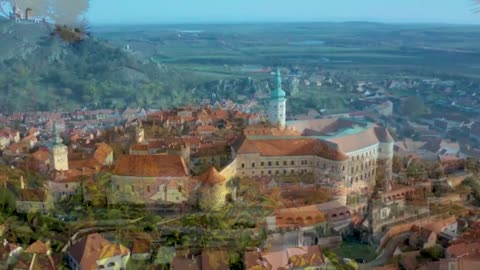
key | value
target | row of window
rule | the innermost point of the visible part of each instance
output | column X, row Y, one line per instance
column 279, row 172
column 362, row 177
column 368, row 154
column 148, row 188
column 286, row 163
column 366, row 165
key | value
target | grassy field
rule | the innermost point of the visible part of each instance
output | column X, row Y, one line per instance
column 354, row 250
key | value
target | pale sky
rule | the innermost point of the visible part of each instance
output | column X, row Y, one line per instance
column 207, row 11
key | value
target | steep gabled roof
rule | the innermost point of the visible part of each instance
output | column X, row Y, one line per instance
column 212, row 176
column 95, row 247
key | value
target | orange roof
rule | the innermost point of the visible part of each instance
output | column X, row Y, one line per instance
column 141, row 246
column 211, row 176
column 361, row 140
column 37, row 247
column 41, row 154
column 33, row 195
column 139, row 147
column 206, row 128
column 151, row 166
column 92, row 248
column 111, row 250
column 221, row 114
column 467, row 243
column 439, row 226
column 291, row 147
column 102, row 152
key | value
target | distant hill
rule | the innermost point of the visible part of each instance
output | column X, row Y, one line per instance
column 41, row 72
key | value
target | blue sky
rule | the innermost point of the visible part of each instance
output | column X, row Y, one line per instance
column 174, row 11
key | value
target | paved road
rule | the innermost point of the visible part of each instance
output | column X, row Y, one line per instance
column 387, row 252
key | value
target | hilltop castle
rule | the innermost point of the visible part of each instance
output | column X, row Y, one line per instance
column 19, row 16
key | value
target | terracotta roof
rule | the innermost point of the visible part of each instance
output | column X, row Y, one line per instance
column 41, row 154
column 33, row 195
column 102, row 152
column 139, row 147
column 291, row 147
column 215, row 260
column 111, row 250
column 141, row 246
column 212, row 176
column 206, row 128
column 151, row 166
column 182, row 262
column 354, row 142
column 322, row 126
column 92, row 248
column 383, row 135
column 441, row 225
column 37, row 247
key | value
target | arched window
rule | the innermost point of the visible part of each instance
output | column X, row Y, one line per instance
column 289, row 221
column 299, row 221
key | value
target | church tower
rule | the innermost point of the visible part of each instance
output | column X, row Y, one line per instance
column 278, row 103
column 59, row 153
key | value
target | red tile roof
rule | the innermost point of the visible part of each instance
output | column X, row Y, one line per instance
column 151, row 166
column 94, row 247
column 33, row 195
column 291, row 147
column 37, row 247
column 211, row 176
column 102, row 152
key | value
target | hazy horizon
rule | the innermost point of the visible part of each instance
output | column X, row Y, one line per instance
column 269, row 11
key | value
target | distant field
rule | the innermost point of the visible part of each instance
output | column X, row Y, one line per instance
column 371, row 47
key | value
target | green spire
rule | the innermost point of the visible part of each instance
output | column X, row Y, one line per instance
column 278, row 93
column 57, row 139
column 279, row 79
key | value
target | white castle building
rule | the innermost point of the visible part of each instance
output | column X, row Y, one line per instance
column 342, row 153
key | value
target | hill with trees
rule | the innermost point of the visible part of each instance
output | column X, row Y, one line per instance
column 40, row 71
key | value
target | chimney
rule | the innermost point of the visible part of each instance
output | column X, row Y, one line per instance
column 22, row 182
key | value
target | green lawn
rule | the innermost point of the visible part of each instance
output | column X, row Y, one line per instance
column 353, row 250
